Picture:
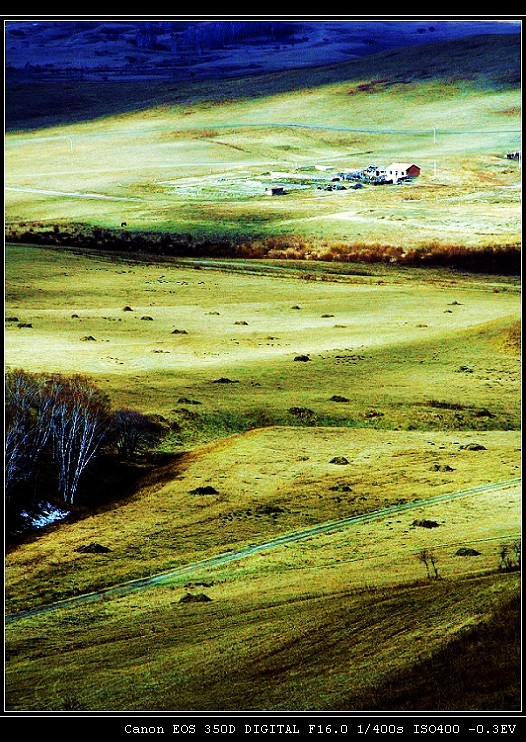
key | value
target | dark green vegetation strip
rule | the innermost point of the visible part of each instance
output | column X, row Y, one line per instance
column 503, row 260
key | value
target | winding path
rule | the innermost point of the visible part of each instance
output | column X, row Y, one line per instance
column 286, row 538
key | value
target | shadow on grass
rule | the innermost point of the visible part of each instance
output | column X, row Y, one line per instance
column 478, row 671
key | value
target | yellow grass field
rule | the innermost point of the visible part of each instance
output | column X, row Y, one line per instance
column 410, row 338
column 428, row 363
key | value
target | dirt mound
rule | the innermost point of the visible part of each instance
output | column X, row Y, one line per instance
column 195, row 598
column 92, row 548
column 269, row 510
column 208, row 490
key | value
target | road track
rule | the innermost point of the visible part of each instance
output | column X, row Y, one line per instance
column 231, row 556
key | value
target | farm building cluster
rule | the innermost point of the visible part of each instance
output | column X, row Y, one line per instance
column 396, row 172
column 302, row 178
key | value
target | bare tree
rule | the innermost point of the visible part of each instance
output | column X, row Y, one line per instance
column 516, row 547
column 428, row 558
column 27, row 426
column 510, row 556
column 80, row 420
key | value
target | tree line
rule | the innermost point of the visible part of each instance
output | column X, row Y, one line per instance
column 56, row 426
column 504, row 260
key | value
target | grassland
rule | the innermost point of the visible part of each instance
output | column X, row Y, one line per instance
column 198, row 160
column 440, row 373
column 266, row 372
column 441, row 342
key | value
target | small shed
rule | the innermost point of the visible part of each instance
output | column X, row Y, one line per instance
column 275, row 191
column 402, row 170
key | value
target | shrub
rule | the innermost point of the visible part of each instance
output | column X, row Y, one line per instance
column 510, row 556
column 132, row 432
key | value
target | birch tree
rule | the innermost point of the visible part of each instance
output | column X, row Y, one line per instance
column 80, row 420
column 27, row 427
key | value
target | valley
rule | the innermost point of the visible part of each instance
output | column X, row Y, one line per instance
column 330, row 517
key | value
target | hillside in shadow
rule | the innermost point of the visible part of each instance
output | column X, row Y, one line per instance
column 47, row 94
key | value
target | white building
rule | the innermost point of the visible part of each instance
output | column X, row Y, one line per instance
column 398, row 170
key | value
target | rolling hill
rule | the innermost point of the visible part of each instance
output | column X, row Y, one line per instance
column 331, row 518
column 196, row 161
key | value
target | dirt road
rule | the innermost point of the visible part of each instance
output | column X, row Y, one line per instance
column 286, row 538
